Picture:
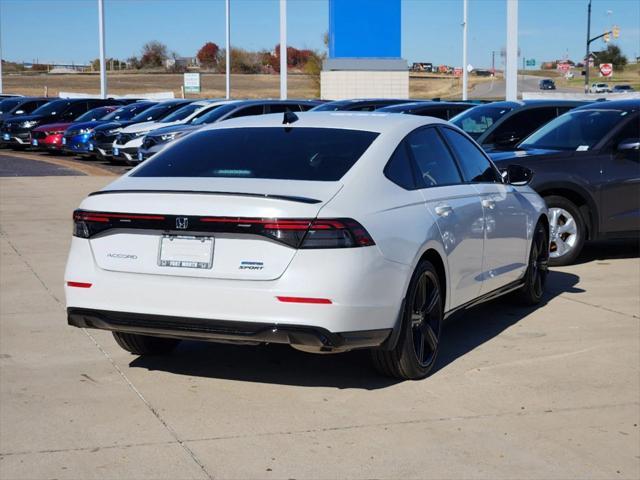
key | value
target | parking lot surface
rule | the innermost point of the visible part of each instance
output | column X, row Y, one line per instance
column 550, row 392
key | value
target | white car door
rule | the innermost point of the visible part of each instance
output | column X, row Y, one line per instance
column 457, row 210
column 505, row 216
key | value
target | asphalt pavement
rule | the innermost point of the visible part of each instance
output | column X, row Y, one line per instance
column 12, row 166
column 546, row 392
column 496, row 88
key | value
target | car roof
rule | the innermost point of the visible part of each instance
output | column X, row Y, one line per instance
column 521, row 104
column 258, row 101
column 366, row 121
column 629, row 105
column 402, row 107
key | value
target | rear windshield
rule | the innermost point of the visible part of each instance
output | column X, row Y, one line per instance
column 319, row 154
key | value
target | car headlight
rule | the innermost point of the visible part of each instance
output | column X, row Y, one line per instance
column 29, row 123
column 85, row 130
column 140, row 134
column 113, row 131
column 169, row 137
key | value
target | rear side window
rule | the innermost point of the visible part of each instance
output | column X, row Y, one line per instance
column 475, row 166
column 248, row 111
column 432, row 112
column 399, row 169
column 436, row 166
column 318, row 154
column 522, row 123
column 283, row 107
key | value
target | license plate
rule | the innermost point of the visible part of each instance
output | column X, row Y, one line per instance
column 116, row 151
column 140, row 156
column 34, row 142
column 91, row 147
column 64, row 140
column 6, row 137
column 185, row 252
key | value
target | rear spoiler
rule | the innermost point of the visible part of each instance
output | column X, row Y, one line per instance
column 290, row 198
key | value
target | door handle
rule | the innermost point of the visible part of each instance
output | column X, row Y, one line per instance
column 490, row 204
column 443, row 210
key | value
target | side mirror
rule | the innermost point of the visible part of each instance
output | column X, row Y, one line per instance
column 517, row 175
column 629, row 144
column 506, row 139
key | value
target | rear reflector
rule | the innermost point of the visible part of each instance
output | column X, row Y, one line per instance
column 79, row 284
column 304, row 300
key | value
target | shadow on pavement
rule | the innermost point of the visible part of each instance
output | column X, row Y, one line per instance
column 281, row 364
column 609, row 249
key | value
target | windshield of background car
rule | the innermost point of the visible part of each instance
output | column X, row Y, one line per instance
column 128, row 112
column 329, row 107
column 317, row 154
column 50, row 108
column 476, row 121
column 213, row 114
column 8, row 105
column 94, row 114
column 154, row 113
column 181, row 113
column 576, row 130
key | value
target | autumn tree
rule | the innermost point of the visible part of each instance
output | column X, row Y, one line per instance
column 208, row 55
column 154, row 54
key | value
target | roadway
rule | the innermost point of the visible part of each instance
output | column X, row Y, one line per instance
column 496, row 88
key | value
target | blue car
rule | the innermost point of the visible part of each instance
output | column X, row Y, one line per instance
column 77, row 138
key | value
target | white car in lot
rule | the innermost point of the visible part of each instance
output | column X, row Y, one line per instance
column 129, row 139
column 600, row 88
column 325, row 231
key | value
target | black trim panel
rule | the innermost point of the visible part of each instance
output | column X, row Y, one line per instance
column 310, row 338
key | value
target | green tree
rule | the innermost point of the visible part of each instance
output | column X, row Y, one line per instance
column 613, row 55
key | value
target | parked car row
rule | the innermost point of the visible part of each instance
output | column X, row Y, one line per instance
column 585, row 155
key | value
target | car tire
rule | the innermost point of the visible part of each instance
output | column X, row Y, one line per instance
column 416, row 350
column 565, row 243
column 145, row 345
column 536, row 275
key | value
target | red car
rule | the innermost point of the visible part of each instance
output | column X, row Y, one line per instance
column 49, row 137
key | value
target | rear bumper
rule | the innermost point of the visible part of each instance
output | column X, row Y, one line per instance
column 299, row 336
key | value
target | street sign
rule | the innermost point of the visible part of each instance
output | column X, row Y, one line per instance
column 191, row 83
column 606, row 69
column 564, row 67
column 530, row 62
column 457, row 71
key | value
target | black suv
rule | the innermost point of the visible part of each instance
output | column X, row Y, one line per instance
column 586, row 166
column 501, row 125
column 547, row 84
column 16, row 131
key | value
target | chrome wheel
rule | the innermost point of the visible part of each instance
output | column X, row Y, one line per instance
column 425, row 318
column 563, row 232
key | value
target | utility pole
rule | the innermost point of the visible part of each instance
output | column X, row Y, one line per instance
column 493, row 62
column 511, row 68
column 283, row 49
column 586, row 57
column 465, row 74
column 0, row 50
column 227, row 68
column 103, row 66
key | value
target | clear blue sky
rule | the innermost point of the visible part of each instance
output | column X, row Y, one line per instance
column 66, row 30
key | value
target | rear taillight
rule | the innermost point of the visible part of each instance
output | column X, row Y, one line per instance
column 294, row 232
column 86, row 224
column 304, row 233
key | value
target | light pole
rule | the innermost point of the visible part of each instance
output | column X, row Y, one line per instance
column 0, row 49
column 586, row 57
column 103, row 66
column 465, row 74
column 227, row 68
column 283, row 49
column 511, row 68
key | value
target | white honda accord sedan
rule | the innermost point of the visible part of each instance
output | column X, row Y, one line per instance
column 325, row 231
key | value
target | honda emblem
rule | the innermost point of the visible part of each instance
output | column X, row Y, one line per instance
column 182, row 223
